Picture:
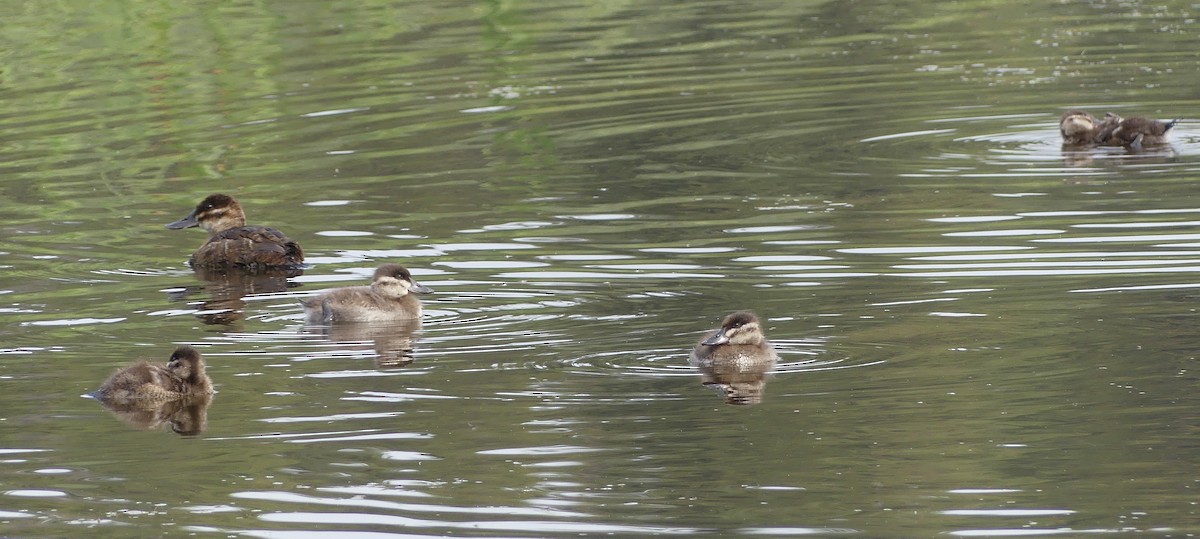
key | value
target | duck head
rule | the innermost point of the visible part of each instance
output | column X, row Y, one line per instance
column 740, row 328
column 187, row 364
column 215, row 213
column 1077, row 126
column 395, row 280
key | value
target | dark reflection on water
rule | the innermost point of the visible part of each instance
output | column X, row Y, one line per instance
column 224, row 291
column 738, row 383
column 979, row 332
column 186, row 417
column 393, row 344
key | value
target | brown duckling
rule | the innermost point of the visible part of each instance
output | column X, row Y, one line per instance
column 1080, row 128
column 388, row 298
column 739, row 341
column 231, row 243
column 1132, row 132
column 182, row 376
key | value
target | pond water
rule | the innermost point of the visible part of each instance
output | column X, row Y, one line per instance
column 980, row 333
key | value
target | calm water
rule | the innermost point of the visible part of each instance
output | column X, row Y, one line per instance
column 980, row 333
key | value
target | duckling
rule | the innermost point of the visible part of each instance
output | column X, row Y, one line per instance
column 231, row 243
column 1080, row 128
column 739, row 341
column 1132, row 132
column 388, row 298
column 735, row 359
column 182, row 376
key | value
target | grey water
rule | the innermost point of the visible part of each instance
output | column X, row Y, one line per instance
column 980, row 333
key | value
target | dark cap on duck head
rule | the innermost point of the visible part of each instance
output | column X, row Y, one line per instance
column 210, row 202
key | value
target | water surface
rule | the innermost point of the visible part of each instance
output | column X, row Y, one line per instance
column 980, row 333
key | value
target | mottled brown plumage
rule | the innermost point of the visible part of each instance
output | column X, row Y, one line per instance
column 388, row 298
column 1080, row 128
column 1132, row 132
column 232, row 243
column 182, row 376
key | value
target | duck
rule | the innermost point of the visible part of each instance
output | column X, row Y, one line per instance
column 740, row 339
column 234, row 244
column 389, row 297
column 735, row 358
column 1133, row 132
column 182, row 376
column 1080, row 128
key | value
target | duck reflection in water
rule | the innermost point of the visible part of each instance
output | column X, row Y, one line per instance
column 393, row 343
column 187, row 416
column 226, row 289
column 735, row 359
column 147, row 394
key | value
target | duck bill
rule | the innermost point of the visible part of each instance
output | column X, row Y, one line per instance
column 717, row 338
column 186, row 222
column 420, row 288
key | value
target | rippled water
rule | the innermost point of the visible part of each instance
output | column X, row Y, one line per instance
column 980, row 333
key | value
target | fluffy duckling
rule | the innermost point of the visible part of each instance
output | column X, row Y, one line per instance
column 388, row 298
column 231, row 243
column 1133, row 132
column 181, row 377
column 739, row 341
column 1080, row 128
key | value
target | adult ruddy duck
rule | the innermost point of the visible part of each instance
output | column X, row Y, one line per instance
column 181, row 377
column 1080, row 128
column 231, row 243
column 388, row 298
